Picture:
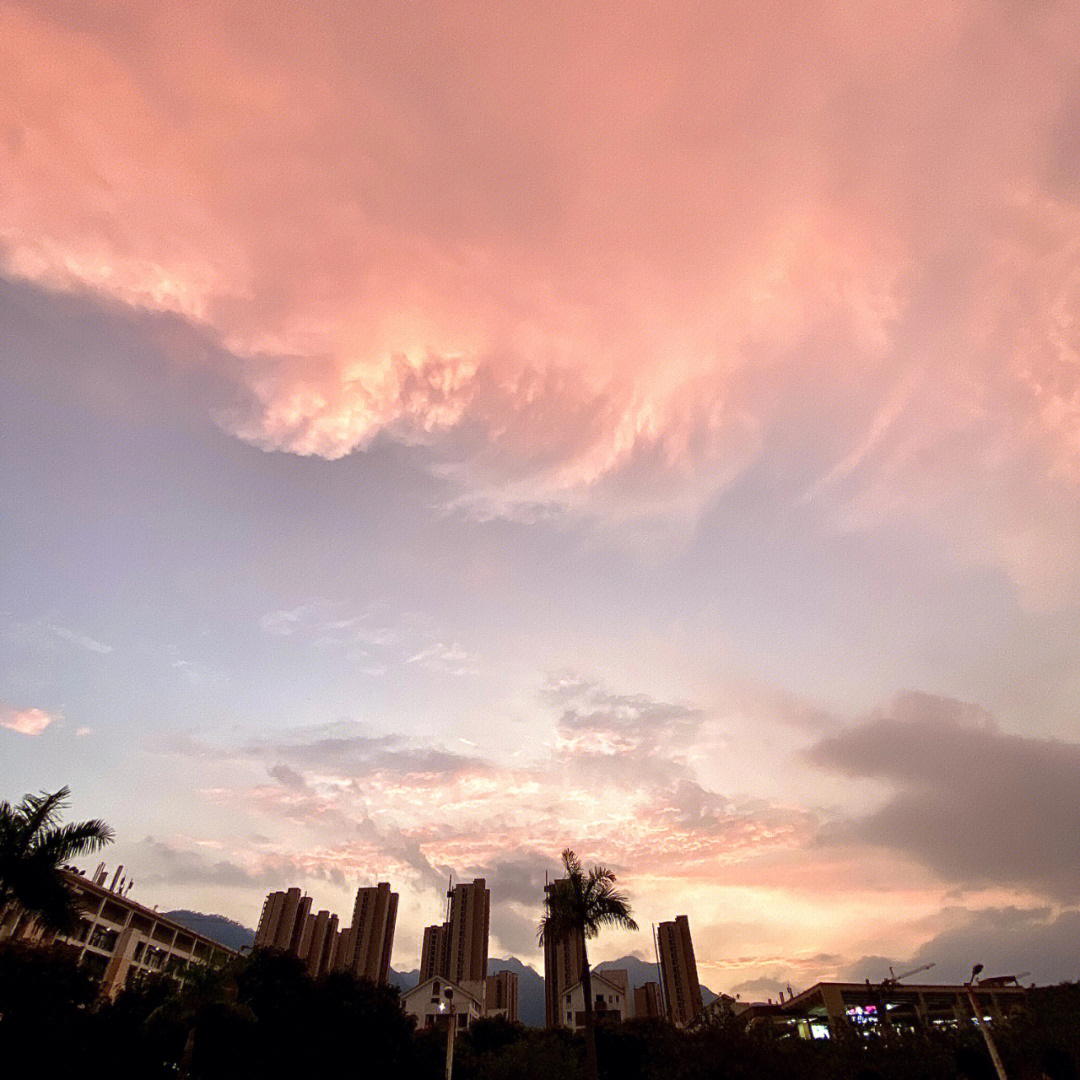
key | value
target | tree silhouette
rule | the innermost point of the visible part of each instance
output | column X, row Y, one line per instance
column 34, row 846
column 584, row 902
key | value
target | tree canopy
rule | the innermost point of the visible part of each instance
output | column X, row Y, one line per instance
column 34, row 847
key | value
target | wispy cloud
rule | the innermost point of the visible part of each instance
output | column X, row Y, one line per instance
column 45, row 634
column 452, row 659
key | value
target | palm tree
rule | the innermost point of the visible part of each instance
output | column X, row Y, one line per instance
column 34, row 846
column 583, row 903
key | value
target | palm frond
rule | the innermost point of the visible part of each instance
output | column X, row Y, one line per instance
column 70, row 841
column 42, row 811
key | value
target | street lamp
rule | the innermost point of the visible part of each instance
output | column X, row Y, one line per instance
column 983, row 1026
column 449, row 993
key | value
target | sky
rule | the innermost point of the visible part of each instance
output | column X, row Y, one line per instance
column 435, row 435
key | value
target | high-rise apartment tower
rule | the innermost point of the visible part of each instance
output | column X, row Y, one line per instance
column 370, row 939
column 281, row 924
column 458, row 948
column 363, row 949
column 678, row 970
column 501, row 995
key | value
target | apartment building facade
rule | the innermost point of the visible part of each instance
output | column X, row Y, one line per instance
column 678, row 971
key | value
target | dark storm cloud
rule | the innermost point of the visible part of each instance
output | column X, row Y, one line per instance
column 975, row 804
column 1007, row 941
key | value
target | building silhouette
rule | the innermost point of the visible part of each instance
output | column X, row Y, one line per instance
column 678, row 971
column 648, row 1002
column 318, row 943
column 564, row 961
column 458, row 948
column 434, row 961
column 118, row 942
column 369, row 941
column 362, row 949
column 501, row 995
column 281, row 924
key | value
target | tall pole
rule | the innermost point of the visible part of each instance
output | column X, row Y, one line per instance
column 450, row 1032
column 985, row 1029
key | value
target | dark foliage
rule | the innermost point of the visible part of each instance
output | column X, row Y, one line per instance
column 34, row 846
column 263, row 1017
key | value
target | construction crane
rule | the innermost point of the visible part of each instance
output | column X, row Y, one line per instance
column 894, row 979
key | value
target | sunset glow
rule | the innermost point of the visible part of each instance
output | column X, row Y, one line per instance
column 439, row 434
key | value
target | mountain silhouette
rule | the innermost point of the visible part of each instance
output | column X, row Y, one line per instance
column 217, row 928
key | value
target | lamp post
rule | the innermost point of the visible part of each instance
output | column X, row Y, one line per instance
column 449, row 993
column 983, row 1026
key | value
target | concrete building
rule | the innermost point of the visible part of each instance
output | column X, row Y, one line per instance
column 610, row 1000
column 121, row 942
column 648, row 1002
column 434, row 959
column 363, row 949
column 370, row 939
column 457, row 950
column 318, row 944
column 826, row 1009
column 467, row 949
column 501, row 995
column 678, row 971
column 281, row 924
column 430, row 1004
column 564, row 961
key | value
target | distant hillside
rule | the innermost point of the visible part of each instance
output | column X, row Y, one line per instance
column 216, row 927
column 403, row 980
column 638, row 972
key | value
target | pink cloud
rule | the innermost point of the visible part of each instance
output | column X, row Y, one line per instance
column 594, row 260
column 25, row 721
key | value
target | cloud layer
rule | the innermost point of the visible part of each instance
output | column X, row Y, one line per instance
column 592, row 260
column 975, row 804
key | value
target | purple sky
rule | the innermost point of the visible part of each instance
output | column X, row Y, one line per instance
column 435, row 436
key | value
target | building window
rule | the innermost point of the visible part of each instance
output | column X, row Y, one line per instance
column 104, row 939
